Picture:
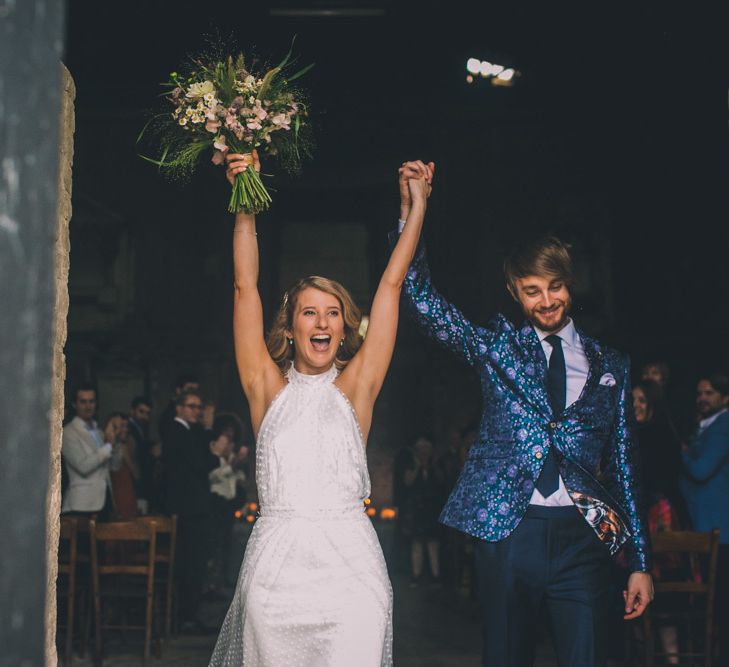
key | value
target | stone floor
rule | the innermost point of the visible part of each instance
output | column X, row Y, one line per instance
column 434, row 627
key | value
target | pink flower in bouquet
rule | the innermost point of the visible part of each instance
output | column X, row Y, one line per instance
column 259, row 111
column 221, row 148
column 282, row 120
column 220, row 145
column 212, row 124
column 231, row 122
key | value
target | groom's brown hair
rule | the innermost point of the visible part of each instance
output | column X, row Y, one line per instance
column 544, row 256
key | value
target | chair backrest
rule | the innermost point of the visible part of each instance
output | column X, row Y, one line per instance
column 116, row 556
column 68, row 545
column 167, row 526
column 694, row 545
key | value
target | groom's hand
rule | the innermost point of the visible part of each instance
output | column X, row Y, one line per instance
column 419, row 190
column 408, row 170
column 639, row 594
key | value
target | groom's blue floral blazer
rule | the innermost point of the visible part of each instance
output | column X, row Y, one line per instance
column 598, row 461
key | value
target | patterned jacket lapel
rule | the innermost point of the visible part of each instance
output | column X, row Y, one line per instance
column 595, row 362
column 594, row 359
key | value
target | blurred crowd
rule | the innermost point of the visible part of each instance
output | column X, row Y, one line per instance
column 188, row 461
column 196, row 464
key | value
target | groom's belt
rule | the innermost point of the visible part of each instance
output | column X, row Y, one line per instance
column 313, row 513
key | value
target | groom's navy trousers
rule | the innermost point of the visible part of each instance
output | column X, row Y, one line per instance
column 552, row 561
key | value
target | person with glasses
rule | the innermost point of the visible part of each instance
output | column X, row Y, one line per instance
column 188, row 457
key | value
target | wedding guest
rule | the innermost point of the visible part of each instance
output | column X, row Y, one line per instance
column 400, row 555
column 660, row 449
column 147, row 455
column 126, row 476
column 659, row 445
column 188, row 460
column 454, row 559
column 422, row 505
column 225, row 482
column 450, row 461
column 656, row 371
column 705, row 483
column 184, row 382
column 706, row 459
column 88, row 456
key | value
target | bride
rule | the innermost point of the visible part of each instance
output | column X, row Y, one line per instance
column 313, row 588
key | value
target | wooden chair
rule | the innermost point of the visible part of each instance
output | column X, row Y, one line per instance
column 82, row 599
column 118, row 572
column 165, row 563
column 697, row 596
column 67, row 561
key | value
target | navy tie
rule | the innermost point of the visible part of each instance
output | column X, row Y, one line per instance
column 548, row 481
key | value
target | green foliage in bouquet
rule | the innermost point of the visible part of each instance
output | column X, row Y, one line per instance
column 220, row 105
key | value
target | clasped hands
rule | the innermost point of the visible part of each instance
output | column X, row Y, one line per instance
column 415, row 179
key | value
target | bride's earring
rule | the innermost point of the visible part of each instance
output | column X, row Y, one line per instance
column 291, row 342
column 341, row 343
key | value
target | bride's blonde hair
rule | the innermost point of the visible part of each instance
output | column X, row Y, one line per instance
column 277, row 341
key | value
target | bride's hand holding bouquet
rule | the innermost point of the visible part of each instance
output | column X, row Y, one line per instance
column 237, row 163
column 222, row 106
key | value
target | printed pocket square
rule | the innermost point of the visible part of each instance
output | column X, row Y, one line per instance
column 608, row 380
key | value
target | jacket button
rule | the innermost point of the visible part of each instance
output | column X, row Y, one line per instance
column 538, row 455
column 552, row 424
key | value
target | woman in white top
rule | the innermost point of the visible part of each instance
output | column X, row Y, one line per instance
column 313, row 587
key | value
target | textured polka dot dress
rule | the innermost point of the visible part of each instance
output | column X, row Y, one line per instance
column 313, row 588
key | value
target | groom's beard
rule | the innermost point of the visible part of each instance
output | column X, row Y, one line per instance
column 552, row 319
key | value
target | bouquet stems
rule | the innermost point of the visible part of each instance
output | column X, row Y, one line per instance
column 249, row 194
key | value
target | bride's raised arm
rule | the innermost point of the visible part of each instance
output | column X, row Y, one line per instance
column 362, row 379
column 259, row 375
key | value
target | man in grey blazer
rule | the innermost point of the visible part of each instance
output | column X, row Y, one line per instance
column 88, row 455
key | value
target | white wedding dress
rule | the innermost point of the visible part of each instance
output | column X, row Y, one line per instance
column 313, row 588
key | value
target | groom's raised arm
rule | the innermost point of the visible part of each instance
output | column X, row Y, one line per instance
column 435, row 315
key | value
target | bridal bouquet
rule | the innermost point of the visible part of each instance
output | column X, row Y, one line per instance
column 221, row 105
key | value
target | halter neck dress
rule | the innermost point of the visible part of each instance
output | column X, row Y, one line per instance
column 313, row 588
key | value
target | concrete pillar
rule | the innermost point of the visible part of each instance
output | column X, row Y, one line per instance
column 31, row 42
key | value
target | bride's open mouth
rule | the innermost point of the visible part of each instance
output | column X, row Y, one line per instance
column 321, row 342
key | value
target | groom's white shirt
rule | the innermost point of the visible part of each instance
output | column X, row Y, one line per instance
column 577, row 367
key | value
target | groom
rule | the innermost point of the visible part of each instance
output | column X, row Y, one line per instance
column 550, row 486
